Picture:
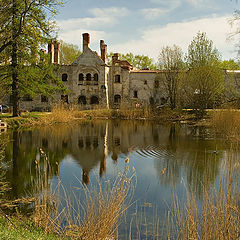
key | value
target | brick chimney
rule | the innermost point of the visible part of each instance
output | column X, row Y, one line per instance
column 103, row 49
column 50, row 52
column 114, row 58
column 86, row 41
column 56, row 52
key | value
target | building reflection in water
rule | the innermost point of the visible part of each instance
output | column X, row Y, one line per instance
column 89, row 144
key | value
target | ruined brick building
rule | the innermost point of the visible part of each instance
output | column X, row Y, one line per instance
column 92, row 83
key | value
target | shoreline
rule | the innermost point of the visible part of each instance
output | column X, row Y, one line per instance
column 33, row 119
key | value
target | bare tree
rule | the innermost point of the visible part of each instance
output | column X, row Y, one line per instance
column 171, row 61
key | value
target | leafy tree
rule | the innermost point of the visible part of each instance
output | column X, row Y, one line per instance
column 230, row 65
column 137, row 61
column 171, row 60
column 204, row 80
column 68, row 53
column 25, row 26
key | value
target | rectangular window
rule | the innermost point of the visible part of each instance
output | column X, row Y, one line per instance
column 135, row 94
column 117, row 79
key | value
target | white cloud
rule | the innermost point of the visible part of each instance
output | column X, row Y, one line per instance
column 153, row 13
column 71, row 29
column 75, row 36
column 153, row 39
column 74, row 23
column 113, row 12
column 169, row 4
column 102, row 17
column 206, row 4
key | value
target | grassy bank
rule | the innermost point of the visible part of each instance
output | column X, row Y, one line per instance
column 12, row 229
column 61, row 114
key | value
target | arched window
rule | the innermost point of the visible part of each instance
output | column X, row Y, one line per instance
column 94, row 100
column 64, row 77
column 80, row 77
column 117, row 98
column 95, row 79
column 88, row 78
column 82, row 100
column 117, row 79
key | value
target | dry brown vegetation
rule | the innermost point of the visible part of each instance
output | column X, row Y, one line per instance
column 217, row 217
column 63, row 114
column 97, row 217
column 227, row 123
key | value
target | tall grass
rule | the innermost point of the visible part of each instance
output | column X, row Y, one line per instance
column 217, row 216
column 95, row 216
column 227, row 123
column 63, row 114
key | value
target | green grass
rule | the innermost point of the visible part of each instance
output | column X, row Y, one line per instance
column 23, row 231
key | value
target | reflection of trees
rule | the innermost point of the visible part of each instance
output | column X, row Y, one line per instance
column 89, row 143
column 23, row 154
column 188, row 158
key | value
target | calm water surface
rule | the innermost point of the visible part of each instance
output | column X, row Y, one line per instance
column 168, row 159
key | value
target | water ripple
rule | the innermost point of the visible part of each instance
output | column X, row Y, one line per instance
column 154, row 152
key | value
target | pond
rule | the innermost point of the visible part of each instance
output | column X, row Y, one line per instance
column 167, row 160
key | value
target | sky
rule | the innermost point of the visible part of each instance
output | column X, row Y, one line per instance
column 145, row 26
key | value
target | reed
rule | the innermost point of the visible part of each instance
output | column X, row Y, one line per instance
column 95, row 216
column 226, row 123
column 216, row 216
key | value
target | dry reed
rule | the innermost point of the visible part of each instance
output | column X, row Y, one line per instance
column 64, row 114
column 226, row 123
column 217, row 216
column 94, row 217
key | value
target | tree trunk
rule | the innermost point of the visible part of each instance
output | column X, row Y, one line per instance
column 14, row 64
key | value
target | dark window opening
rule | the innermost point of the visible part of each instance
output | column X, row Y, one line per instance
column 82, row 100
column 94, row 100
column 80, row 79
column 88, row 78
column 156, row 84
column 64, row 98
column 135, row 94
column 64, row 77
column 27, row 98
column 95, row 77
column 44, row 98
column 117, row 98
column 145, row 82
column 117, row 79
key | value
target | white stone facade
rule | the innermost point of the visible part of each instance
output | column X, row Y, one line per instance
column 91, row 83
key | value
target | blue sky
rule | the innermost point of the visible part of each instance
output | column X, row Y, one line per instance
column 145, row 26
